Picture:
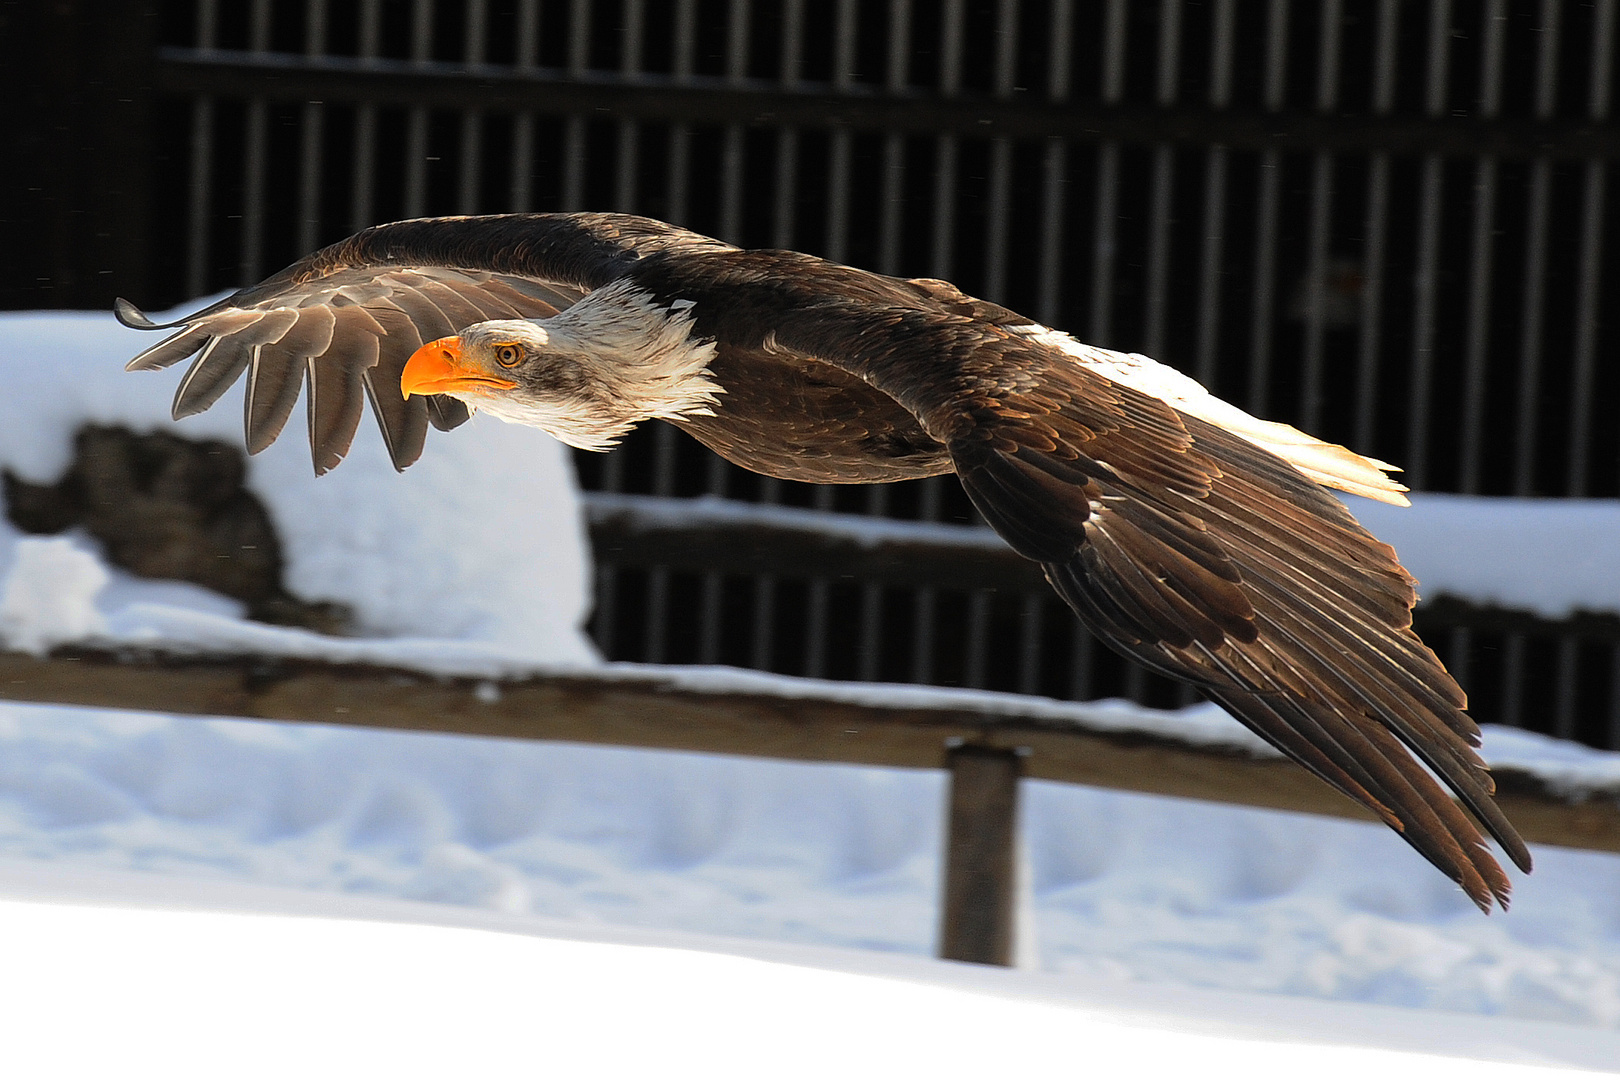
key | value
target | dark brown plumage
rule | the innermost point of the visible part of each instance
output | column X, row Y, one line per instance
column 1183, row 533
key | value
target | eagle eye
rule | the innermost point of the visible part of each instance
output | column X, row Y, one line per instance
column 508, row 355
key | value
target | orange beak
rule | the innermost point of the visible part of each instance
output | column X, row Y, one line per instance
column 438, row 368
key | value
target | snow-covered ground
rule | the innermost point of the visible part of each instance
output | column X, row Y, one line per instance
column 206, row 980
column 1127, row 887
column 486, row 573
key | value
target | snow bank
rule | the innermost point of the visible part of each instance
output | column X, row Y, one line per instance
column 481, row 540
column 1126, row 889
column 211, row 993
column 1550, row 556
column 49, row 596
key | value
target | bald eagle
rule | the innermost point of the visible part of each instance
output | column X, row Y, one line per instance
column 1185, row 533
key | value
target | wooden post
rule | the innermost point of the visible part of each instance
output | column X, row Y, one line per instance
column 981, row 868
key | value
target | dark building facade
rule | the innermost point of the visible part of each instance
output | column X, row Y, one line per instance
column 1389, row 222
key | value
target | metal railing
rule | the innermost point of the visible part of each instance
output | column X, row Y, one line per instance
column 1386, row 221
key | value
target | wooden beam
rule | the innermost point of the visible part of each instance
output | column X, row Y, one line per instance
column 650, row 710
column 981, row 856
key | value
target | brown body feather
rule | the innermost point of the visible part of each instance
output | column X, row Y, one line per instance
column 1183, row 545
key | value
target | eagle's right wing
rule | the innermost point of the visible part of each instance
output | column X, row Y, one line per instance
column 345, row 319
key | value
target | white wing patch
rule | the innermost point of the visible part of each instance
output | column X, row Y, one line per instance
column 1326, row 463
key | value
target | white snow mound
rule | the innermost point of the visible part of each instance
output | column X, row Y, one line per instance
column 49, row 597
column 481, row 540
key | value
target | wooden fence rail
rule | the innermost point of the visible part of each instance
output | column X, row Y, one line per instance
column 987, row 743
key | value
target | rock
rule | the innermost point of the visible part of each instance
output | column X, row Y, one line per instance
column 163, row 506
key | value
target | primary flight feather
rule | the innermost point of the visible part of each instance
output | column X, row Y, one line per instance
column 1185, row 533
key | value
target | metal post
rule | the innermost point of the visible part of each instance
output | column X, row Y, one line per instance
column 981, row 876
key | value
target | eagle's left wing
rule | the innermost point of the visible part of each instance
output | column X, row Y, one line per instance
column 1196, row 551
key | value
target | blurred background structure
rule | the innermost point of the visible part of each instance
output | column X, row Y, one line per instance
column 1389, row 222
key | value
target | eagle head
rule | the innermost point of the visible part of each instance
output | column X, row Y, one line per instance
column 584, row 376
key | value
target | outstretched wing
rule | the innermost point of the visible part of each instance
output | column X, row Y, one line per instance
column 346, row 319
column 1199, row 553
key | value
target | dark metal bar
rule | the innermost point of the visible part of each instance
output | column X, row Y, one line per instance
column 950, row 49
column 1481, row 252
column 1376, row 230
column 416, row 137
column 472, row 120
column 835, row 241
column 763, row 642
column 787, row 139
column 1317, row 286
column 1054, row 171
column 1321, row 223
column 251, row 264
column 871, row 639
column 365, row 124
column 1106, row 229
column 1425, row 283
column 1426, row 289
column 1513, row 647
column 978, row 639
column 924, row 602
column 1266, row 228
column 604, row 615
column 1591, row 268
column 731, row 151
column 528, row 55
column 898, row 68
column 1372, row 300
column 1276, row 54
column 202, row 163
column 1209, row 267
column 1053, row 175
column 1265, row 282
column 996, row 221
column 897, row 72
column 1461, row 646
column 787, row 161
column 1029, row 643
column 309, row 177
column 1105, row 223
column 629, row 147
column 1158, row 254
column 1614, row 697
column 309, row 152
column 768, row 103
column 1082, row 665
column 999, row 210
column 1586, row 328
column 981, row 855
column 1564, row 714
column 1215, row 166
column 1535, row 291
